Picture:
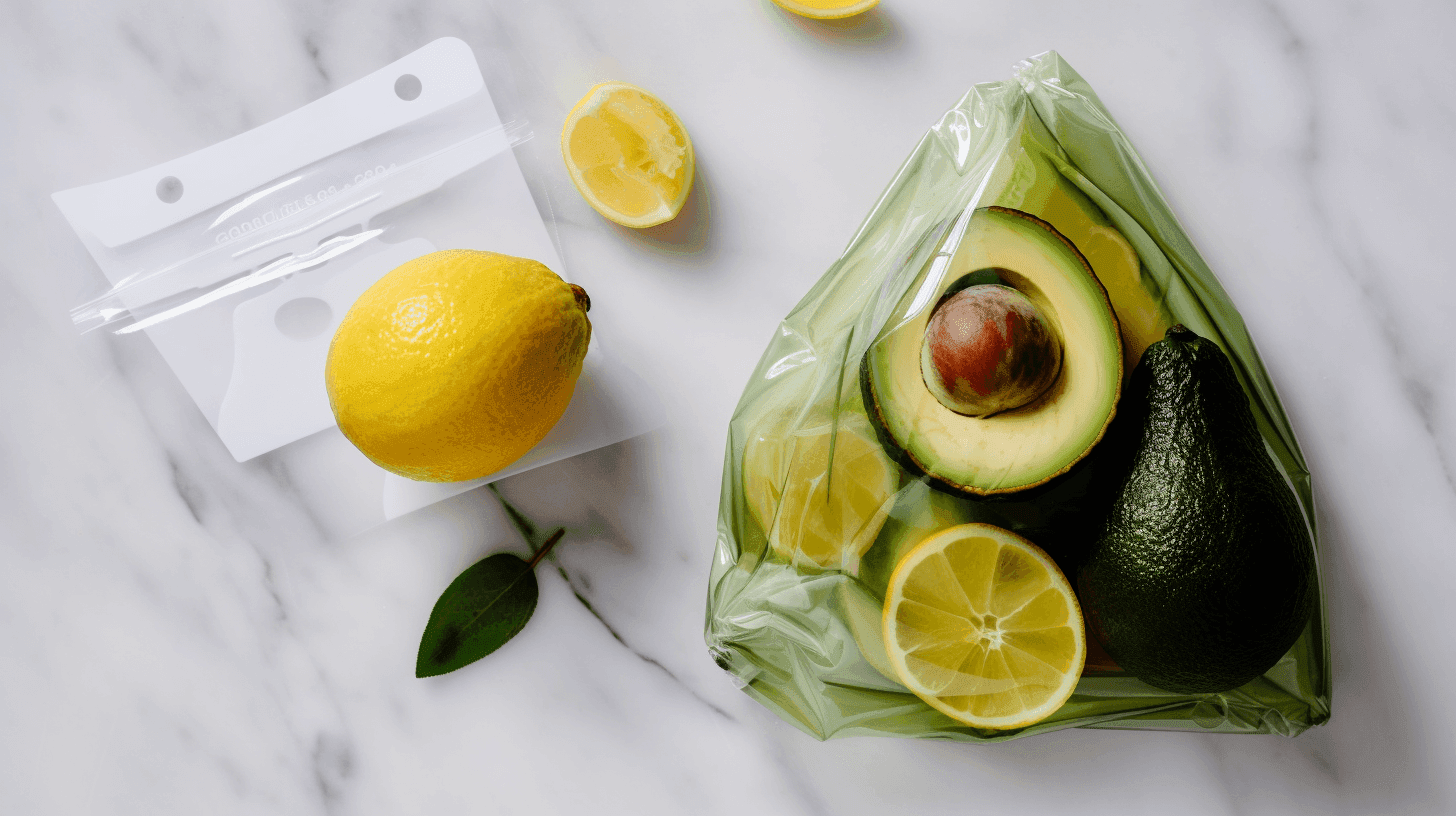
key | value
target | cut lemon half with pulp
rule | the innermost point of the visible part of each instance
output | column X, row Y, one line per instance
column 821, row 508
column 983, row 626
column 826, row 9
column 628, row 155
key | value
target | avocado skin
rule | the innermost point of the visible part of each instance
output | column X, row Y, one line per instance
column 1203, row 574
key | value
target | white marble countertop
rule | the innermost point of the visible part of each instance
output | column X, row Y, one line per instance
column 178, row 636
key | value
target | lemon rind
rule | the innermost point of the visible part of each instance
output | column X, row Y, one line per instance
column 826, row 14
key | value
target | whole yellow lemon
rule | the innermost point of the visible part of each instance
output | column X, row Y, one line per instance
column 455, row 364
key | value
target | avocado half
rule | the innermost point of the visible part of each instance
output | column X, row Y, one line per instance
column 1027, row 446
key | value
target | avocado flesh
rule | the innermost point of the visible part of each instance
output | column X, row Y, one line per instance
column 1203, row 574
column 1040, row 181
column 1027, row 446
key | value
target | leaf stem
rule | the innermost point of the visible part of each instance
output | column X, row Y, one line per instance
column 546, row 548
column 523, row 525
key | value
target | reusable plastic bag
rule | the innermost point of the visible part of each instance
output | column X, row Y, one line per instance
column 802, row 634
column 240, row 260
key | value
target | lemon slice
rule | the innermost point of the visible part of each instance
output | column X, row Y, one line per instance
column 981, row 625
column 818, row 512
column 826, row 9
column 628, row 155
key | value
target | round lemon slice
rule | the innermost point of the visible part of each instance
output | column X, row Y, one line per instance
column 628, row 155
column 821, row 508
column 983, row 626
column 826, row 9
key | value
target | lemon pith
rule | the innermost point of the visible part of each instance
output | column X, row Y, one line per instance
column 628, row 155
column 983, row 626
column 456, row 363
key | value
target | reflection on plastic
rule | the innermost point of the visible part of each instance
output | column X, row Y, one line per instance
column 243, row 258
column 276, row 393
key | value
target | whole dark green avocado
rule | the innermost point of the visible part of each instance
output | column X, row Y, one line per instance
column 1203, row 574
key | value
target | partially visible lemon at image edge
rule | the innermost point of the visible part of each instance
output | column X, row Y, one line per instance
column 457, row 363
column 827, row 9
column 628, row 155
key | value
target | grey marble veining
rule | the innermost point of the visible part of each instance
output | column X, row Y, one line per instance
column 181, row 636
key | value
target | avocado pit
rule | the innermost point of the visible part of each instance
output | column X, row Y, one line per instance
column 1020, row 448
column 988, row 349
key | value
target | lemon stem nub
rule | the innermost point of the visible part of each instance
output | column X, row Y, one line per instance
column 582, row 299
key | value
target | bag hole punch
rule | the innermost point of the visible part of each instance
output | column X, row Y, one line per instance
column 408, row 87
column 169, row 190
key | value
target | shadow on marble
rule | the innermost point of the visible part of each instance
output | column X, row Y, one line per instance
column 1371, row 746
column 873, row 30
column 591, row 494
column 647, row 598
column 1366, row 759
column 689, row 235
column 1371, row 757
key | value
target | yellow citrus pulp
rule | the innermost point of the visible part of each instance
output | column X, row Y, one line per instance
column 817, row 512
column 983, row 626
column 827, row 9
column 455, row 364
column 628, row 155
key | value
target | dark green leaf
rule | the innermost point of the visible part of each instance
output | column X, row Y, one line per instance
column 482, row 609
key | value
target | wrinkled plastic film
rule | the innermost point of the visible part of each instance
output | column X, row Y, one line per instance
column 801, row 637
column 290, row 224
column 238, row 262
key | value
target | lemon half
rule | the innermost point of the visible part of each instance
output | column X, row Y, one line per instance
column 983, row 626
column 628, row 155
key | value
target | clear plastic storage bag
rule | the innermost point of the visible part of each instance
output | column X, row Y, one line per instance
column 238, row 262
column 801, row 628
